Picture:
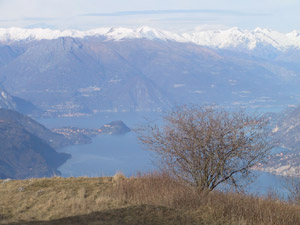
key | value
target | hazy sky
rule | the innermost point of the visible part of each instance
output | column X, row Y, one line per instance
column 175, row 15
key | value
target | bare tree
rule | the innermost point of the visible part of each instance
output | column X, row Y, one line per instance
column 207, row 146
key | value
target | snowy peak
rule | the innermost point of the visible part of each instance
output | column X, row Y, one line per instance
column 245, row 39
column 150, row 33
column 117, row 34
column 224, row 39
column 142, row 32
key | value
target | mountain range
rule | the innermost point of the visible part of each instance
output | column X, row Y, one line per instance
column 285, row 136
column 230, row 38
column 71, row 73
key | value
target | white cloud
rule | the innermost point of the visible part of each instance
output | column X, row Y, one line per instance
column 280, row 14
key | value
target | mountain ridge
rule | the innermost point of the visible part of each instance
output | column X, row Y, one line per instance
column 25, row 153
column 18, row 104
column 72, row 77
column 34, row 128
column 222, row 39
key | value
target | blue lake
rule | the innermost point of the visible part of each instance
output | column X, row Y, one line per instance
column 108, row 154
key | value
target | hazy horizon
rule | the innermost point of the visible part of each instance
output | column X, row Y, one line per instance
column 177, row 15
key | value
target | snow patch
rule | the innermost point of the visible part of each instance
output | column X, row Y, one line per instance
column 4, row 95
column 115, row 81
column 178, row 85
column 89, row 89
column 276, row 129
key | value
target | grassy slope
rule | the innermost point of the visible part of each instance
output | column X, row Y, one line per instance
column 151, row 199
column 134, row 215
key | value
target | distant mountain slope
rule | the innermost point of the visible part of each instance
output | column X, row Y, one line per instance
column 71, row 73
column 6, row 101
column 24, row 155
column 31, row 126
column 287, row 129
column 286, row 138
column 18, row 104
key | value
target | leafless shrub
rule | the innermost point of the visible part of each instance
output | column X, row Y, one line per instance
column 206, row 146
column 292, row 185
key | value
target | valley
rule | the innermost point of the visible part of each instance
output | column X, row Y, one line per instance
column 73, row 76
column 148, row 70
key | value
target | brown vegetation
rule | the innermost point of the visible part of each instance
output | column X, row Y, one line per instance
column 208, row 146
column 144, row 199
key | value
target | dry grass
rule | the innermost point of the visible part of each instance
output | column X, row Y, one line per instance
column 132, row 215
column 209, row 208
column 118, row 196
column 46, row 199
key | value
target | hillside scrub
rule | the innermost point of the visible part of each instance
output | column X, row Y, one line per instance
column 207, row 146
column 122, row 199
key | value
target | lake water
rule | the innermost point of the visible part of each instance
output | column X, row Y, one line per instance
column 108, row 154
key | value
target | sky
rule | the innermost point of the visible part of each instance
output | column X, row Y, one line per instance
column 175, row 15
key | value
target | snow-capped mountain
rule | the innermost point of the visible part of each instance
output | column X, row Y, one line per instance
column 71, row 72
column 223, row 39
column 245, row 39
column 117, row 34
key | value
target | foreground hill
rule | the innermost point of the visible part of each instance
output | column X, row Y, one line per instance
column 24, row 155
column 145, row 200
column 26, row 147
